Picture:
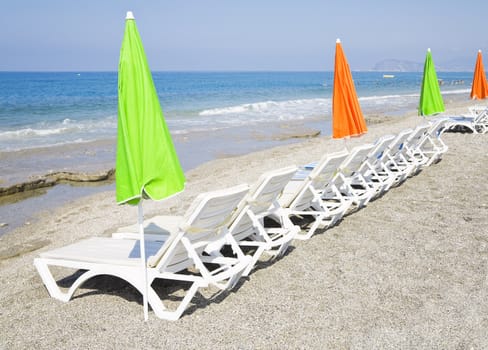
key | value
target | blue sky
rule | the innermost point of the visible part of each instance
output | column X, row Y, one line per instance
column 57, row 35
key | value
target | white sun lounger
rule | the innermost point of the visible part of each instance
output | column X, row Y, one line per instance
column 411, row 149
column 311, row 193
column 474, row 110
column 429, row 148
column 476, row 121
column 374, row 170
column 246, row 224
column 350, row 180
column 394, row 160
column 169, row 257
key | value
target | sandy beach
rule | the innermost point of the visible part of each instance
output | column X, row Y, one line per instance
column 409, row 271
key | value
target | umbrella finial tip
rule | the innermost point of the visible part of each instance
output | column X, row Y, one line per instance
column 338, row 40
column 129, row 15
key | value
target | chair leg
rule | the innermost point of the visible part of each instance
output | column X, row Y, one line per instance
column 319, row 219
column 51, row 285
column 254, row 260
column 42, row 266
column 161, row 311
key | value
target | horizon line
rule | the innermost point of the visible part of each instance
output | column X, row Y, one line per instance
column 224, row 71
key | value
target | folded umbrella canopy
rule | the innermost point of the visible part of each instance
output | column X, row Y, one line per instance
column 347, row 118
column 147, row 165
column 430, row 94
column 479, row 88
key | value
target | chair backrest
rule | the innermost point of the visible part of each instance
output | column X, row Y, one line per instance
column 432, row 132
column 482, row 120
column 477, row 109
column 268, row 188
column 417, row 134
column 416, row 138
column 321, row 178
column 437, row 127
column 327, row 169
column 480, row 114
column 482, row 117
column 355, row 159
column 205, row 220
column 260, row 198
column 299, row 193
column 379, row 148
column 397, row 144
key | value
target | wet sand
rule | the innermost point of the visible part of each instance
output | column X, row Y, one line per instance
column 408, row 271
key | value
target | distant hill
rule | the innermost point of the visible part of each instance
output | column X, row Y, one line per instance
column 459, row 64
column 393, row 65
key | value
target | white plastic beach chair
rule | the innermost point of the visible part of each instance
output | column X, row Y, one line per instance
column 411, row 148
column 312, row 194
column 429, row 148
column 351, row 182
column 169, row 257
column 476, row 121
column 474, row 110
column 374, row 170
column 394, row 160
column 246, row 224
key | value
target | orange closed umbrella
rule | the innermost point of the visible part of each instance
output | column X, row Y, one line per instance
column 479, row 88
column 347, row 118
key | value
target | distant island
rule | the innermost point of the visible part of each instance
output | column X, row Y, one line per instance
column 396, row 65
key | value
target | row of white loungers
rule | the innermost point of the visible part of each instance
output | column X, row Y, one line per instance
column 219, row 239
column 476, row 121
column 343, row 182
column 224, row 234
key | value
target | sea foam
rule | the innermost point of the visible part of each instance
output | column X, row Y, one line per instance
column 56, row 133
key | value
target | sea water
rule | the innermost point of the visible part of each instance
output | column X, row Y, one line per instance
column 67, row 121
column 46, row 109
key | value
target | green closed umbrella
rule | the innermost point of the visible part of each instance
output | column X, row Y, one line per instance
column 430, row 95
column 147, row 165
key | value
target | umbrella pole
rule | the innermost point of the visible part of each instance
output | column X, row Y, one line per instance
column 143, row 258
